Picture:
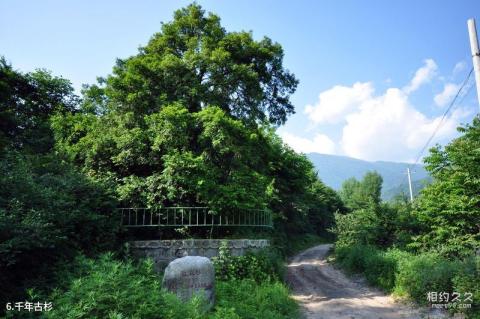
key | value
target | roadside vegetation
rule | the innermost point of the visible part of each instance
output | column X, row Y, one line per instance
column 430, row 246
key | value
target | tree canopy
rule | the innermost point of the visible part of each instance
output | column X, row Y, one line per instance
column 449, row 209
column 195, row 61
column 186, row 122
column 26, row 103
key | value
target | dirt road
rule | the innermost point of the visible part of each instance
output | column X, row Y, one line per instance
column 325, row 292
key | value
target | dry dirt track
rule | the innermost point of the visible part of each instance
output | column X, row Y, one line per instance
column 324, row 292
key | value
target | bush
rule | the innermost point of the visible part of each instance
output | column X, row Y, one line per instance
column 247, row 299
column 413, row 276
column 265, row 265
column 467, row 281
column 115, row 289
column 358, row 227
column 48, row 213
column 379, row 267
column 353, row 258
column 387, row 272
column 425, row 273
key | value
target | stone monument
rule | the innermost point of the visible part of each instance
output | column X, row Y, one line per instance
column 189, row 276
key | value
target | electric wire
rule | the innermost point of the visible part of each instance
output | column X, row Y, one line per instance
column 437, row 128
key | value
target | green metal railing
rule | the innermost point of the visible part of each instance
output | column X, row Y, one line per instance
column 193, row 217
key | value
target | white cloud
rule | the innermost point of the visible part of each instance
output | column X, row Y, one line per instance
column 335, row 103
column 459, row 67
column 320, row 143
column 422, row 76
column 388, row 127
column 449, row 91
column 382, row 126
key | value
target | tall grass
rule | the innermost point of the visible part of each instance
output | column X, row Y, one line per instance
column 413, row 275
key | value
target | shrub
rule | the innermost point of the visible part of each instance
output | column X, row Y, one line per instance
column 48, row 213
column 247, row 299
column 358, row 227
column 115, row 289
column 467, row 281
column 387, row 272
column 425, row 273
column 379, row 267
column 265, row 265
column 353, row 258
column 380, row 270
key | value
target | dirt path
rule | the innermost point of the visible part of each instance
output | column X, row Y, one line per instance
column 325, row 292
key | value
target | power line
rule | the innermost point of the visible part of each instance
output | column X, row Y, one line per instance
column 443, row 117
column 452, row 103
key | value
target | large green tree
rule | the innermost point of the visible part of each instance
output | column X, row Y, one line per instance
column 26, row 103
column 449, row 209
column 195, row 61
column 189, row 121
column 183, row 122
column 362, row 194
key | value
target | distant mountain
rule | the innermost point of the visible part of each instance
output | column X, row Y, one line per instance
column 333, row 170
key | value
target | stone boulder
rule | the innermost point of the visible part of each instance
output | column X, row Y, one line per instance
column 189, row 276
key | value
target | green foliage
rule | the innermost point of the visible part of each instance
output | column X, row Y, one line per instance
column 423, row 273
column 187, row 122
column 302, row 203
column 248, row 300
column 412, row 275
column 195, row 61
column 172, row 157
column 371, row 222
column 48, row 212
column 380, row 267
column 361, row 226
column 114, row 289
column 260, row 267
column 26, row 103
column 107, row 288
column 448, row 209
column 362, row 194
column 466, row 281
column 440, row 231
column 176, row 158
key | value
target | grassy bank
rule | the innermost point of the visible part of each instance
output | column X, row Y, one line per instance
column 415, row 275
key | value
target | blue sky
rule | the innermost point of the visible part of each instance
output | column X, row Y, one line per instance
column 375, row 76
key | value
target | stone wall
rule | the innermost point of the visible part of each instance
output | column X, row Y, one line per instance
column 164, row 251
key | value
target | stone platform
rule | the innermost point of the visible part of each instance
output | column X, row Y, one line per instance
column 164, row 251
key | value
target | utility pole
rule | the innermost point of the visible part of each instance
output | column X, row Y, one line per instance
column 410, row 184
column 472, row 32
